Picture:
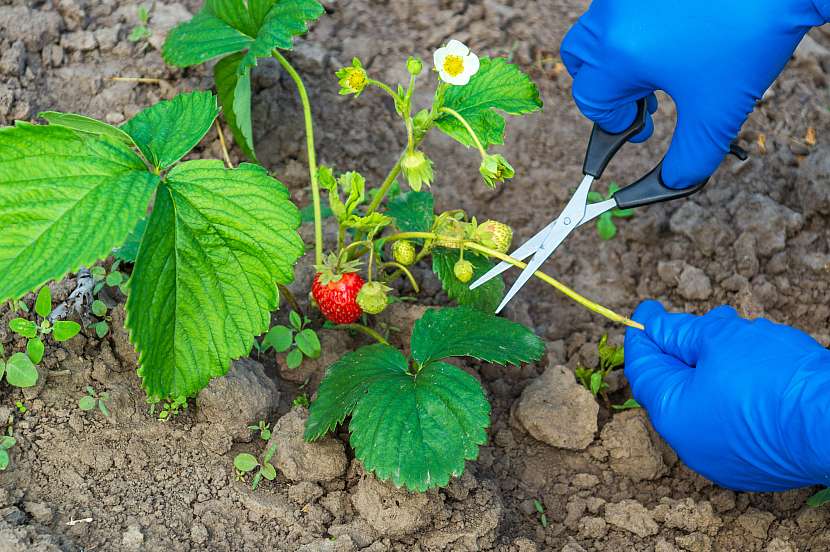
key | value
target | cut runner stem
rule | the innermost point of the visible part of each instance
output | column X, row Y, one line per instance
column 312, row 155
column 559, row 286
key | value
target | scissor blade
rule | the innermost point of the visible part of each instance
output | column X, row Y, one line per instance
column 524, row 251
column 571, row 218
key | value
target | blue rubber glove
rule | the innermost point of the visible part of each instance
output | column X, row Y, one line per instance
column 743, row 403
column 714, row 58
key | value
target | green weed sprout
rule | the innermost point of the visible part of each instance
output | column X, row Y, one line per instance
column 299, row 340
column 61, row 330
column 92, row 399
column 245, row 463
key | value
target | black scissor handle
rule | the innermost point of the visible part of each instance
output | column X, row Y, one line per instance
column 651, row 189
column 603, row 146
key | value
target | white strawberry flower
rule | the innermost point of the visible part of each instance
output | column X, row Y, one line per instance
column 455, row 63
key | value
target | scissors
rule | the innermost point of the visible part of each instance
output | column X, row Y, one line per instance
column 602, row 147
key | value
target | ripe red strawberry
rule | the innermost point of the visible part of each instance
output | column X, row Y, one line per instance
column 335, row 289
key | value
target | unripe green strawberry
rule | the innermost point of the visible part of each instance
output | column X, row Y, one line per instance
column 372, row 297
column 495, row 234
column 463, row 270
column 451, row 233
column 404, row 252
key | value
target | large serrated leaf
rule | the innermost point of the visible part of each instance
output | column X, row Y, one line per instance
column 463, row 331
column 346, row 382
column 419, row 431
column 248, row 32
column 498, row 85
column 484, row 298
column 88, row 125
column 412, row 211
column 203, row 38
column 168, row 130
column 66, row 199
column 203, row 285
column 234, row 92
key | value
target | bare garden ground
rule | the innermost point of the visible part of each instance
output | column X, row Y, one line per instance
column 756, row 238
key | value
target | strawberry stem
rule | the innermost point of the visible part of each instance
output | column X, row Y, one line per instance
column 312, row 156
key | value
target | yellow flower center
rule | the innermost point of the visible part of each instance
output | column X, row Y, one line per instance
column 454, row 65
column 356, row 80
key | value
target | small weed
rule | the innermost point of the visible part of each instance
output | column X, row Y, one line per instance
column 301, row 400
column 100, row 310
column 111, row 278
column 61, row 330
column 819, row 499
column 610, row 357
column 630, row 404
column 540, row 509
column 170, row 408
column 6, row 443
column 92, row 399
column 605, row 223
column 297, row 339
column 21, row 408
column 263, row 429
column 245, row 463
column 18, row 370
column 141, row 31
column 18, row 305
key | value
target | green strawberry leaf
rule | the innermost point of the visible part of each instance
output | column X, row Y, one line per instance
column 820, row 498
column 129, row 249
column 419, row 431
column 412, row 211
column 34, row 350
column 230, row 27
column 218, row 237
column 65, row 330
column 203, row 38
column 43, row 303
column 234, row 92
column 346, row 381
column 88, row 125
column 65, row 200
column 168, row 130
column 23, row 327
column 498, row 85
column 20, row 371
column 463, row 331
column 485, row 298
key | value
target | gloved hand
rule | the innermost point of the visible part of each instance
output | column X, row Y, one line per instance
column 743, row 403
column 714, row 58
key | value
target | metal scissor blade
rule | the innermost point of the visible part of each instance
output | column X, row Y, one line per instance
column 568, row 221
column 524, row 251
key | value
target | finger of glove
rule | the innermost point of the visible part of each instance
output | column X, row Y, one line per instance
column 679, row 335
column 705, row 128
column 657, row 379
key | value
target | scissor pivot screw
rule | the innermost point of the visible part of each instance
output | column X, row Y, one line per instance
column 567, row 221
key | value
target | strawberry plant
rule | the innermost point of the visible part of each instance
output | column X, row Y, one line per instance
column 212, row 250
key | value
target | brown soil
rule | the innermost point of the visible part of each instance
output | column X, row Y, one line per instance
column 756, row 238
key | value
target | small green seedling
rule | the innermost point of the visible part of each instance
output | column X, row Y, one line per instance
column 92, row 399
column 141, row 31
column 21, row 408
column 301, row 400
column 6, row 443
column 263, row 429
column 246, row 463
column 298, row 340
column 170, row 408
column 610, row 357
column 540, row 509
column 630, row 404
column 113, row 278
column 101, row 327
column 18, row 370
column 819, row 499
column 605, row 223
column 61, row 330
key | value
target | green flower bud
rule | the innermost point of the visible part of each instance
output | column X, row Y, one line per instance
column 414, row 66
column 417, row 168
column 495, row 169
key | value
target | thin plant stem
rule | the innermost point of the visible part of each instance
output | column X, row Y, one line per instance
column 312, row 155
column 385, row 88
column 223, row 143
column 289, row 297
column 363, row 329
column 384, row 187
column 402, row 269
column 559, row 286
column 142, row 80
column 467, row 126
